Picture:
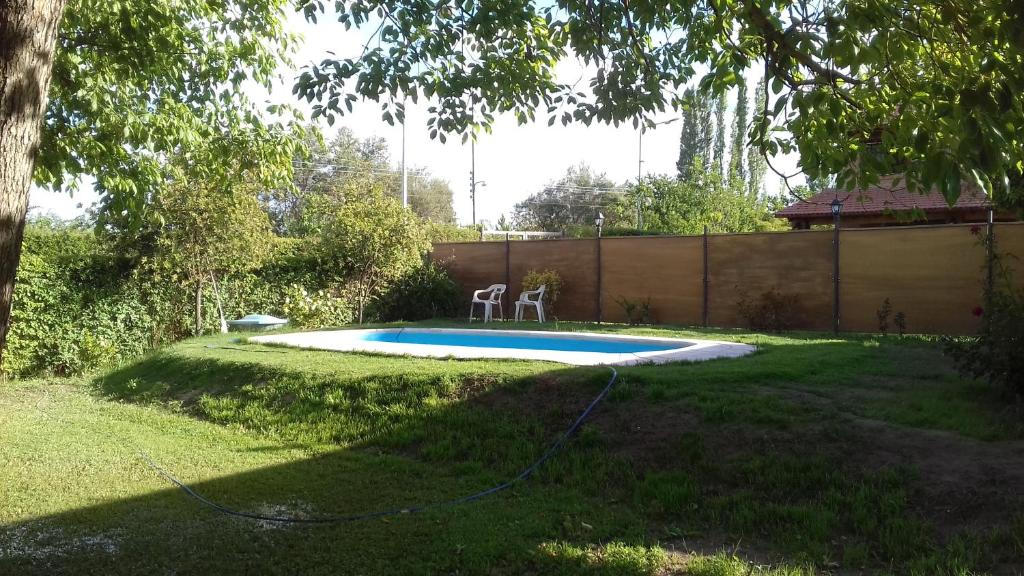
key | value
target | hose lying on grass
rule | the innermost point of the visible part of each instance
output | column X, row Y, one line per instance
column 555, row 447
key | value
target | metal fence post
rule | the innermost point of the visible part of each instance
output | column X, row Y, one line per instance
column 508, row 273
column 704, row 312
column 990, row 256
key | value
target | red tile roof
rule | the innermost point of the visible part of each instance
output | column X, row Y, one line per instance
column 884, row 198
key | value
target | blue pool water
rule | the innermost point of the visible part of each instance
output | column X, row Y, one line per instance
column 521, row 342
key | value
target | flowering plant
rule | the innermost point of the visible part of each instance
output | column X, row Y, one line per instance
column 995, row 354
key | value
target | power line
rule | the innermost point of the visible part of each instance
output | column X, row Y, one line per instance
column 377, row 173
column 343, row 168
column 586, row 188
column 567, row 204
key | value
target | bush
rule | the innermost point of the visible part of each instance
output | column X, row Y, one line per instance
column 590, row 231
column 900, row 320
column 323, row 308
column 772, row 311
column 552, row 281
column 883, row 314
column 76, row 307
column 637, row 311
column 79, row 305
column 437, row 232
column 996, row 353
column 426, row 292
column 371, row 243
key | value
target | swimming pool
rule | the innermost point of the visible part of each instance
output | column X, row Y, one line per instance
column 579, row 348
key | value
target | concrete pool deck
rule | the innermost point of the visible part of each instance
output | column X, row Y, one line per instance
column 678, row 349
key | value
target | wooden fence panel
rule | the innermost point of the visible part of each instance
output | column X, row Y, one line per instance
column 1010, row 243
column 474, row 265
column 668, row 270
column 933, row 274
column 747, row 265
column 576, row 263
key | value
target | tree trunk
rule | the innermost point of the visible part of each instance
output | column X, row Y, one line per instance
column 28, row 34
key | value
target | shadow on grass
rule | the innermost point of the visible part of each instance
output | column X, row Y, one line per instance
column 418, row 431
column 411, row 440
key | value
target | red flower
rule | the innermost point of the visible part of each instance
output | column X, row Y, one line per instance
column 978, row 311
column 975, row 229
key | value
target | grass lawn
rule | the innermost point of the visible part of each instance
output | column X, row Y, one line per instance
column 816, row 455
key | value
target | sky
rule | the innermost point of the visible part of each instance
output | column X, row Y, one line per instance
column 513, row 161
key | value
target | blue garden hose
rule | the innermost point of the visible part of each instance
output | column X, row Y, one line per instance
column 526, row 473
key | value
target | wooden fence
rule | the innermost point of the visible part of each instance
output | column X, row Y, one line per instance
column 935, row 275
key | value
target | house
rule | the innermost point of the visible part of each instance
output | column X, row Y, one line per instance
column 889, row 203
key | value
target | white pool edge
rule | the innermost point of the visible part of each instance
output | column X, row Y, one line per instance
column 696, row 350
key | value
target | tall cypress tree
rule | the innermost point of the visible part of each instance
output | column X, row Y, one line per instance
column 756, row 163
column 737, row 171
column 721, row 133
column 695, row 137
column 705, row 135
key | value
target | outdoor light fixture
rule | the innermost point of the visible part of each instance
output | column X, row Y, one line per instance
column 837, row 207
column 599, row 220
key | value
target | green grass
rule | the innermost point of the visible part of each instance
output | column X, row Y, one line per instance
column 764, row 458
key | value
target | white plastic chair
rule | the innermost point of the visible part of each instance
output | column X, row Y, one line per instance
column 524, row 301
column 488, row 297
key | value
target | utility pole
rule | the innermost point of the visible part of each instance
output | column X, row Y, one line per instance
column 640, row 164
column 639, row 177
column 405, row 172
column 472, row 176
column 640, row 157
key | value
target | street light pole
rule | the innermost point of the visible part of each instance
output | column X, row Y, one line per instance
column 837, row 209
column 640, row 146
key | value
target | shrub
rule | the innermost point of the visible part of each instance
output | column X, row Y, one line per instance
column 883, row 314
column 371, row 243
column 995, row 354
column 425, row 292
column 318, row 309
column 590, row 231
column 900, row 320
column 552, row 281
column 437, row 232
column 637, row 312
column 80, row 305
column 75, row 307
column 772, row 311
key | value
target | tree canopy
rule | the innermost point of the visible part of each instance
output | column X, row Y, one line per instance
column 674, row 206
column 372, row 243
column 210, row 231
column 136, row 80
column 741, row 126
column 697, row 135
column 757, row 165
column 935, row 81
column 345, row 167
column 572, row 200
column 114, row 89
